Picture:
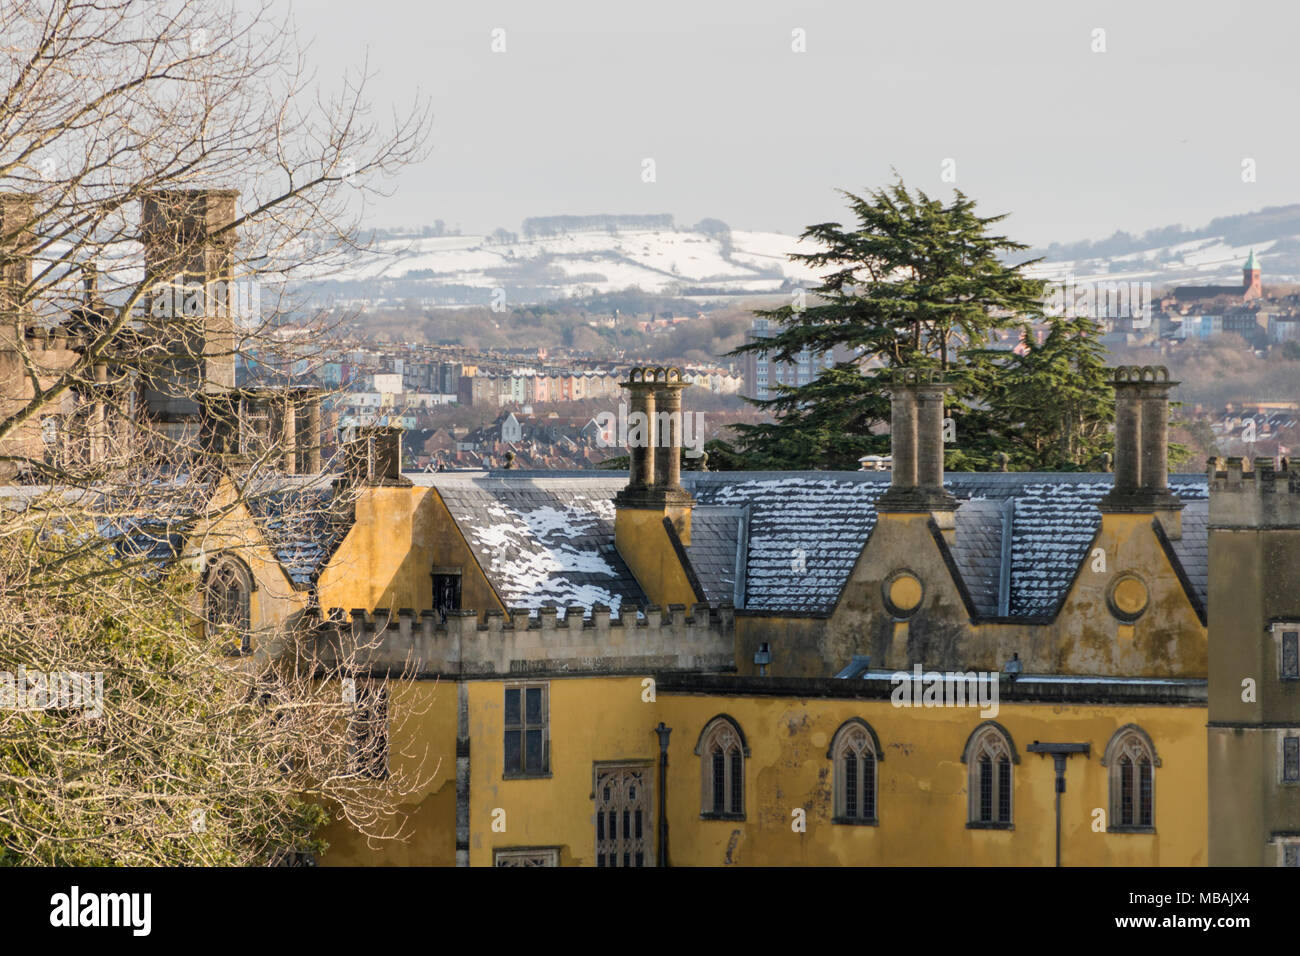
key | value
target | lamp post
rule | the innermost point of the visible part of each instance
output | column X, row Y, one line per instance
column 1059, row 753
column 661, row 856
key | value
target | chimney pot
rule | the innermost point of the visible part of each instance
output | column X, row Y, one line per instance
column 916, row 445
column 1141, row 442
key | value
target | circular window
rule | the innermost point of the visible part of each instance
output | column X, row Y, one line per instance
column 902, row 592
column 1127, row 597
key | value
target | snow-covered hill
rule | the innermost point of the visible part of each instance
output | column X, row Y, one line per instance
column 450, row 270
column 461, row 270
column 1208, row 261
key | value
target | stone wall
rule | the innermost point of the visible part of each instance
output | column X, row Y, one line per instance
column 517, row 644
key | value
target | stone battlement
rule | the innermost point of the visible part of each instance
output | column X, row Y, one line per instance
column 519, row 644
column 1264, row 496
column 43, row 339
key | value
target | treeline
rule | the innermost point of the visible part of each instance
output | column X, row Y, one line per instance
column 536, row 226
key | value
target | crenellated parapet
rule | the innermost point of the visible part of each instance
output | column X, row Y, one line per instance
column 1263, row 495
column 39, row 338
column 656, row 639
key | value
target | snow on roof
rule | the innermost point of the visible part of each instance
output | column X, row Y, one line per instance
column 543, row 541
column 806, row 530
column 302, row 520
column 546, row 538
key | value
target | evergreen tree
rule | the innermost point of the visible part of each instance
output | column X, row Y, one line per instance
column 916, row 284
column 1050, row 404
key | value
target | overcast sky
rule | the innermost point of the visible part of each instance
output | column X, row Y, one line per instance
column 1073, row 143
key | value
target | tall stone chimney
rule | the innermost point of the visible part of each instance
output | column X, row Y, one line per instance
column 640, row 414
column 652, row 517
column 190, row 264
column 668, row 431
column 916, row 447
column 654, row 440
column 1142, row 447
column 374, row 457
column 16, row 239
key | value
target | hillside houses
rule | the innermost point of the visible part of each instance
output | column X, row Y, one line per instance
column 513, row 440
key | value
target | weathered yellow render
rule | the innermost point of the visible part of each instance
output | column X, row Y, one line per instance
column 1085, row 638
column 922, row 780
column 422, row 742
column 643, row 542
column 386, row 558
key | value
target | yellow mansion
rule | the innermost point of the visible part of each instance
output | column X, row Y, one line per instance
column 813, row 668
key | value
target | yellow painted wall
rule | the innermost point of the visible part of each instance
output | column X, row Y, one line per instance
column 1167, row 640
column 643, row 543
column 591, row 719
column 422, row 743
column 387, row 558
column 274, row 602
column 922, row 797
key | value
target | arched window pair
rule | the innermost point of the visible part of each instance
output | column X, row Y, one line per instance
column 227, row 602
column 1130, row 757
column 722, row 750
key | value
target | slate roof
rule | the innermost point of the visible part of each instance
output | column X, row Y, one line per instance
column 546, row 539
column 1193, row 548
column 805, row 529
column 715, row 534
column 1053, row 522
column 303, row 522
column 778, row 541
column 298, row 515
column 977, row 550
column 542, row 540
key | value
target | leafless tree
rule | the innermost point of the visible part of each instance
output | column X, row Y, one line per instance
column 169, row 171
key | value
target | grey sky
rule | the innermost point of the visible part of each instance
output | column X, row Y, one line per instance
column 1075, row 144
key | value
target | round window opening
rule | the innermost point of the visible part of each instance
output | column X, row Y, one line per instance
column 902, row 592
column 1127, row 597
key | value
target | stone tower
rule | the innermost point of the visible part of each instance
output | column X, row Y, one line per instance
column 189, row 258
column 1254, row 672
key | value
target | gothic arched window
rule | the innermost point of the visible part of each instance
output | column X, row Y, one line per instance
column 722, row 752
column 1131, row 759
column 854, row 753
column 227, row 602
column 990, row 757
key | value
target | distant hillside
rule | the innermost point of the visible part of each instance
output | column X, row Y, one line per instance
column 1176, row 255
column 561, row 257
column 567, row 257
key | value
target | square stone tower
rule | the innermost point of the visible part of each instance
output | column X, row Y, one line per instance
column 1254, row 679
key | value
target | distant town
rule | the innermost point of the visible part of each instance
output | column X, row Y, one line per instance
column 536, row 408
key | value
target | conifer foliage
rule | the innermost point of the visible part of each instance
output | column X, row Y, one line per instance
column 920, row 283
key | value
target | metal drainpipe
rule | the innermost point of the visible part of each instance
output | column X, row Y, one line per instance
column 661, row 856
